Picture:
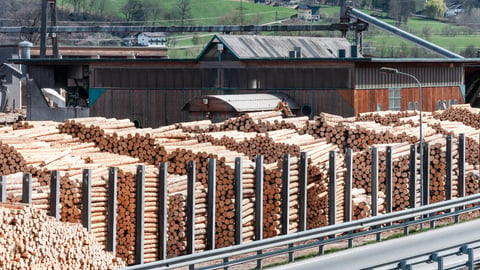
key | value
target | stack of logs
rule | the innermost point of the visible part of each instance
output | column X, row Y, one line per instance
column 246, row 136
column 33, row 239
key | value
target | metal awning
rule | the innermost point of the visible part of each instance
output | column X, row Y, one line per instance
column 238, row 103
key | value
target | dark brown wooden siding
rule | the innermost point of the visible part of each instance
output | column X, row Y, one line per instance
column 160, row 107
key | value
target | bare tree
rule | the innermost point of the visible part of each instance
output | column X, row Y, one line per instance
column 184, row 11
column 27, row 13
column 133, row 11
column 153, row 11
column 401, row 10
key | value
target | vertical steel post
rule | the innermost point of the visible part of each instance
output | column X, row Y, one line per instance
column 413, row 176
column 140, row 214
column 412, row 182
column 190, row 207
column 461, row 171
column 303, row 174
column 286, row 199
column 55, row 194
column 348, row 190
column 448, row 176
column 259, row 203
column 461, row 165
column 162, row 210
column 112, row 210
column 388, row 180
column 285, row 193
column 3, row 189
column 87, row 199
column 27, row 188
column 375, row 186
column 238, row 200
column 211, row 205
column 426, row 174
column 332, row 188
column 43, row 30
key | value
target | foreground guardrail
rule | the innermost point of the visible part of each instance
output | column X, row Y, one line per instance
column 320, row 236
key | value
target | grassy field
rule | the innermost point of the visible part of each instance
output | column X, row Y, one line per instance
column 385, row 44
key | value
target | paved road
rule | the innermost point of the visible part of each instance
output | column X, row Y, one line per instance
column 392, row 250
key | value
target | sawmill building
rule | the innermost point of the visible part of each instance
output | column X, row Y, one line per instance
column 316, row 74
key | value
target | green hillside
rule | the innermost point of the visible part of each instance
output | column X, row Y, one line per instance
column 380, row 43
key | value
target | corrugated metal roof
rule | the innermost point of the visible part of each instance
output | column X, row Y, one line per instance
column 258, row 47
column 238, row 103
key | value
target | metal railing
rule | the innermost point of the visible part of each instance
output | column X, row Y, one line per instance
column 319, row 237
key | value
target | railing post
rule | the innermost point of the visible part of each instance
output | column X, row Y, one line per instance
column 461, row 165
column 388, row 180
column 461, row 171
column 286, row 199
column 27, row 188
column 285, row 193
column 162, row 210
column 302, row 208
column 332, row 188
column 55, row 194
column 438, row 259
column 413, row 176
column 374, row 182
column 426, row 174
column 112, row 210
column 448, row 176
column 87, row 199
column 3, row 189
column 238, row 200
column 259, row 203
column 348, row 190
column 412, row 182
column 211, row 205
column 191, row 171
column 140, row 214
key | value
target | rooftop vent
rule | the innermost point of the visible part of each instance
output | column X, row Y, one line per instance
column 296, row 53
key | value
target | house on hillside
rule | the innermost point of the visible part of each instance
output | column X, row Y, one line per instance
column 152, row 39
column 308, row 13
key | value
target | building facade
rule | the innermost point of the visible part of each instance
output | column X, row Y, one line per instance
column 319, row 74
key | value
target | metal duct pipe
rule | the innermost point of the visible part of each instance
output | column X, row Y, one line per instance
column 399, row 32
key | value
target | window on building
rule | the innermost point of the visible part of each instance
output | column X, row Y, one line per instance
column 395, row 99
column 379, row 107
column 410, row 106
column 439, row 105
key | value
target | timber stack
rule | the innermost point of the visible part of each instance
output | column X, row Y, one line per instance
column 34, row 240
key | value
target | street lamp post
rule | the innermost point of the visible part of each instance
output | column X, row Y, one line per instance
column 396, row 71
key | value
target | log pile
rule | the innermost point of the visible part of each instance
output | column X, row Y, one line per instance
column 463, row 113
column 40, row 194
column 472, row 137
column 33, row 240
column 225, row 160
column 362, row 204
column 386, row 118
column 180, row 143
column 272, row 145
column 249, row 122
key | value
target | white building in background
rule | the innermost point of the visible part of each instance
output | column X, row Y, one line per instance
column 152, row 39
